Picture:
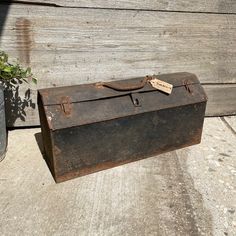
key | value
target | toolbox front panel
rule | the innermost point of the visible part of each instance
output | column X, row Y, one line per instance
column 89, row 148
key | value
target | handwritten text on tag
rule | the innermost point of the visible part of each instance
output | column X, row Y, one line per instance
column 161, row 85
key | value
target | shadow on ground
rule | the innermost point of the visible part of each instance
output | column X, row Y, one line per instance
column 39, row 140
column 15, row 105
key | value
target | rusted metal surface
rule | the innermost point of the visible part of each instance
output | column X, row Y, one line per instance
column 66, row 105
column 88, row 92
column 3, row 131
column 126, row 87
column 104, row 127
column 46, row 134
column 113, row 163
column 187, row 85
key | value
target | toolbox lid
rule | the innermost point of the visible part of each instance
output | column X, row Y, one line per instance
column 90, row 103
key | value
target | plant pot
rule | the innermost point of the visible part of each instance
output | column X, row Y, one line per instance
column 3, row 131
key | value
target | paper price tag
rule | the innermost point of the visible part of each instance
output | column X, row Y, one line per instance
column 161, row 85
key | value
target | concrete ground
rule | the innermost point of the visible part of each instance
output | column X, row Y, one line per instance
column 191, row 191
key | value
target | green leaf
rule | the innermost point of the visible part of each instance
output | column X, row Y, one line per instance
column 34, row 80
column 3, row 56
column 14, row 73
column 7, row 69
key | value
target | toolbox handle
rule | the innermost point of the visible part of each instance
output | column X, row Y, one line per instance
column 124, row 86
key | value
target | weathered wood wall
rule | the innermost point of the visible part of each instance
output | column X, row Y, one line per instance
column 213, row 6
column 71, row 42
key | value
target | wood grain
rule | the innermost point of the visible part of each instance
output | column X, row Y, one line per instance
column 221, row 100
column 70, row 46
column 217, row 6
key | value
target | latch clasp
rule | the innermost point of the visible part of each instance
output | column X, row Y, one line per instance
column 135, row 99
column 188, row 86
column 66, row 105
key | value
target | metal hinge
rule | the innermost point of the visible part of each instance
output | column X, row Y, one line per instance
column 66, row 105
column 187, row 85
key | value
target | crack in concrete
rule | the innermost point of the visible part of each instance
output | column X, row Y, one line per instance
column 228, row 125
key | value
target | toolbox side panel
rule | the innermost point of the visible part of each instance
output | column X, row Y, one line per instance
column 46, row 135
column 89, row 148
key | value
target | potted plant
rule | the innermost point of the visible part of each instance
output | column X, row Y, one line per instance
column 12, row 105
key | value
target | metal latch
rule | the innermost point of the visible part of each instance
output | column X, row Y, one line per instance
column 187, row 86
column 135, row 100
column 66, row 105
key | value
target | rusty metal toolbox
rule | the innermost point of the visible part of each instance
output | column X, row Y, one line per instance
column 92, row 127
